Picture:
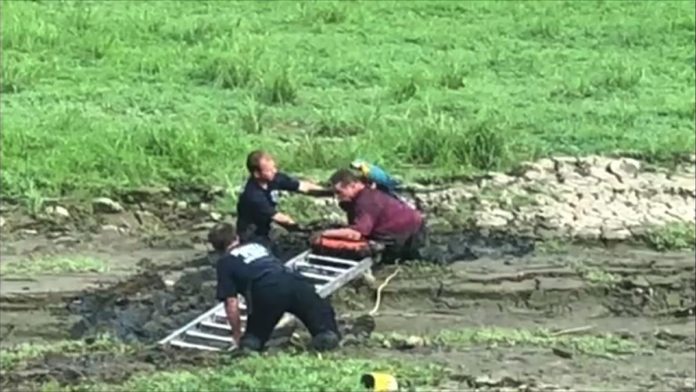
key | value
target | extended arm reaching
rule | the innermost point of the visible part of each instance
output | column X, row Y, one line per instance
column 345, row 233
column 313, row 189
column 284, row 220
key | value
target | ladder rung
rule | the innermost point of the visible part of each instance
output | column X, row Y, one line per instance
column 317, row 276
column 223, row 314
column 303, row 264
column 180, row 343
column 212, row 324
column 225, row 326
column 203, row 335
column 332, row 260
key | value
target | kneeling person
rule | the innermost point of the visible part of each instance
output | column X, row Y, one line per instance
column 270, row 290
column 376, row 215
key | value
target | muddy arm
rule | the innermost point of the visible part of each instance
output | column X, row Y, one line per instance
column 312, row 189
column 344, row 233
column 232, row 311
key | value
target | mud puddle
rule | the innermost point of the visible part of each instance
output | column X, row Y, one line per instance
column 147, row 303
column 145, row 308
column 626, row 292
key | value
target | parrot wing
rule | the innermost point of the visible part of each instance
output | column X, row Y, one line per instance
column 380, row 176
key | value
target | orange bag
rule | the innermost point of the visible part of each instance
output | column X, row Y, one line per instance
column 341, row 248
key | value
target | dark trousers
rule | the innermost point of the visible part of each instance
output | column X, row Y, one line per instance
column 409, row 248
column 277, row 293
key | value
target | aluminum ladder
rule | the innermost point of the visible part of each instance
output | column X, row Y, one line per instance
column 211, row 331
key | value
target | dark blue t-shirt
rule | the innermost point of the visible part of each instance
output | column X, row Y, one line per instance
column 257, row 205
column 241, row 266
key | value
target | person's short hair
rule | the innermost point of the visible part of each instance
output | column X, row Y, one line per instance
column 253, row 161
column 222, row 235
column 343, row 177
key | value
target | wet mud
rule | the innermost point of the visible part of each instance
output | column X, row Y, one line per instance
column 503, row 282
column 144, row 309
column 103, row 366
column 468, row 245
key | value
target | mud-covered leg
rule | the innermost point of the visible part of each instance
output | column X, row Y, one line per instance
column 317, row 315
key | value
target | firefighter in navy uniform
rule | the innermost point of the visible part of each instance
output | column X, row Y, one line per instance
column 270, row 289
column 257, row 205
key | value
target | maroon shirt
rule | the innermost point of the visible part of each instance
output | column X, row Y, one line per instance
column 375, row 214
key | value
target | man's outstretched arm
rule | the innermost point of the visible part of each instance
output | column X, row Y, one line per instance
column 360, row 229
column 283, row 220
column 345, row 233
column 313, row 189
column 292, row 184
column 267, row 213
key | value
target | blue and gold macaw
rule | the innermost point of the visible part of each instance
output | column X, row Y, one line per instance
column 376, row 175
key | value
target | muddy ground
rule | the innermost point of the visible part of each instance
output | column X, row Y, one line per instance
column 153, row 287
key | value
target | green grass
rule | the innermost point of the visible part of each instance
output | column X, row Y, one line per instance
column 550, row 247
column 594, row 274
column 285, row 372
column 598, row 345
column 604, row 345
column 672, row 236
column 53, row 265
column 11, row 357
column 305, row 210
column 282, row 372
column 268, row 372
column 99, row 96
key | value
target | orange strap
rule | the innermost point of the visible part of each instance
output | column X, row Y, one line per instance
column 341, row 244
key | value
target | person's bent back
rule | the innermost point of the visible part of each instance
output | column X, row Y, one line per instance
column 270, row 290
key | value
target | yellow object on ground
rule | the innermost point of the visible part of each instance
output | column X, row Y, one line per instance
column 379, row 382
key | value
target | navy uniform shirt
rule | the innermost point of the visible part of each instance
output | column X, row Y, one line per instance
column 241, row 266
column 257, row 205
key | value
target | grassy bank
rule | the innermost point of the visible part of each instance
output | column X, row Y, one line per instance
column 98, row 96
column 280, row 372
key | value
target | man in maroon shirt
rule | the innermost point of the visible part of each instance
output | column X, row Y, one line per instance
column 374, row 214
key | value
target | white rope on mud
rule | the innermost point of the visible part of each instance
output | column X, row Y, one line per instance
column 379, row 291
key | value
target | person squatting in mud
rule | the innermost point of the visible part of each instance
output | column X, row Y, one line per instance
column 256, row 208
column 377, row 215
column 270, row 289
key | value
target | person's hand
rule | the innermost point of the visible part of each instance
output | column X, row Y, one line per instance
column 236, row 338
column 325, row 192
column 315, row 237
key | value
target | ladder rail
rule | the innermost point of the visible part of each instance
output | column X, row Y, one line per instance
column 183, row 344
column 303, row 265
column 342, row 279
column 335, row 260
column 300, row 257
column 193, row 323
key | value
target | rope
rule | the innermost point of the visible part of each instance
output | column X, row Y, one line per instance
column 379, row 291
